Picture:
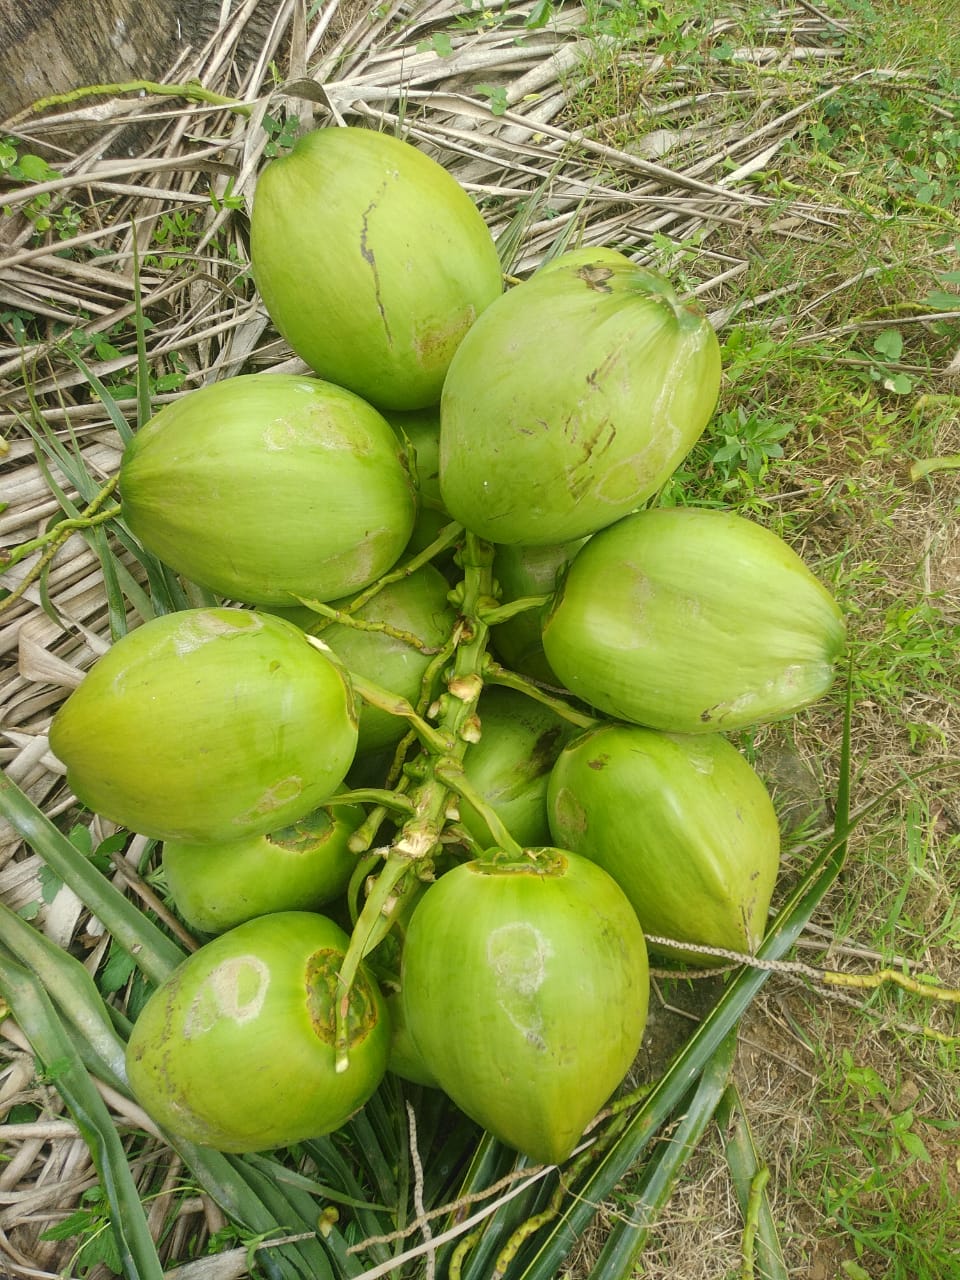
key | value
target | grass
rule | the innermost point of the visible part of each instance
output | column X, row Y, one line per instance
column 894, row 1205
column 833, row 387
column 835, row 296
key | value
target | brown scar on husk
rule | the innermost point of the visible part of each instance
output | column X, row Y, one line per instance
column 596, row 278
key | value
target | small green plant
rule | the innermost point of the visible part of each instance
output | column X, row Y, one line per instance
column 539, row 15
column 229, row 199
column 480, row 17
column 158, row 383
column 99, row 856
column 674, row 31
column 888, row 346
column 897, row 1223
column 21, row 1113
column 750, row 440
column 173, row 235
column 98, row 340
column 907, row 655
column 496, row 96
column 675, row 259
column 16, row 321
column 876, row 1104
column 113, row 344
column 119, row 973
column 439, row 43
column 26, row 168
column 282, row 133
column 913, row 139
column 91, row 1226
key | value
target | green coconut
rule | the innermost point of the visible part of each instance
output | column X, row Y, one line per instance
column 270, row 487
column 208, row 725
column 372, row 261
column 682, row 823
column 573, row 399
column 298, row 868
column 420, row 432
column 525, row 989
column 693, row 620
column 528, row 571
column 410, row 621
column 405, row 1061
column 509, row 767
column 235, row 1050
column 585, row 255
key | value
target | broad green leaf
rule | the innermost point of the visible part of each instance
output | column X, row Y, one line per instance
column 744, row 1164
column 72, row 990
column 925, row 466
column 889, row 344
column 539, row 15
column 940, row 300
column 35, row 169
column 914, row 1146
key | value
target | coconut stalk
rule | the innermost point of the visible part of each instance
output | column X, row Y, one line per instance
column 440, row 763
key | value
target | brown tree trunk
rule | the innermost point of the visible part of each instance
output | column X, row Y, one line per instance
column 52, row 46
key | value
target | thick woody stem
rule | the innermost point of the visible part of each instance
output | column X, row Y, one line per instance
column 443, row 749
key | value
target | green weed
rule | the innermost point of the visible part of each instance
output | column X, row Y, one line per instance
column 174, row 235
column 879, row 1189
column 282, row 130
column 91, row 1226
column 23, row 167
